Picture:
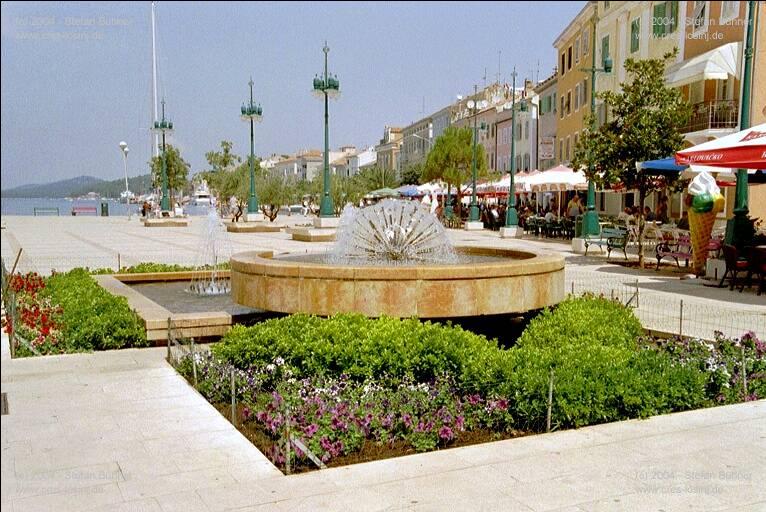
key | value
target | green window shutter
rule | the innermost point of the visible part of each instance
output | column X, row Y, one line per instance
column 604, row 48
column 658, row 26
column 635, row 34
column 673, row 17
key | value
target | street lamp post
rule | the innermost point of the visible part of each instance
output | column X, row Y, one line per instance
column 476, row 106
column 326, row 86
column 164, row 126
column 252, row 113
column 124, row 149
column 739, row 229
column 590, row 225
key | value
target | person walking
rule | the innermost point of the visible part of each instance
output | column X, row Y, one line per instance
column 574, row 207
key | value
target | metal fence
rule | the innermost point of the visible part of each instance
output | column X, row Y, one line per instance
column 672, row 313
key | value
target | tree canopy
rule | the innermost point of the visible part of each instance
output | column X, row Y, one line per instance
column 373, row 178
column 177, row 168
column 451, row 157
column 645, row 123
column 224, row 159
column 411, row 175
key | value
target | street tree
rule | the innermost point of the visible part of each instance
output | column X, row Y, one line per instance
column 411, row 175
column 645, row 123
column 450, row 160
column 233, row 188
column 177, row 169
column 274, row 191
column 375, row 177
column 224, row 159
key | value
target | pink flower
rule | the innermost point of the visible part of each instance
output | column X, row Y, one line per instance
column 310, row 430
column 446, row 433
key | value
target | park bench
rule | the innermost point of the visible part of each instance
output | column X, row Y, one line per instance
column 51, row 210
column 679, row 248
column 77, row 210
column 611, row 238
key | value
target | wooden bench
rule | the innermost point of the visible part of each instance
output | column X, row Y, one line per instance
column 612, row 238
column 76, row 210
column 46, row 210
column 678, row 249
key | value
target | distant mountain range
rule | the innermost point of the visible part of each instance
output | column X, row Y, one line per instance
column 80, row 186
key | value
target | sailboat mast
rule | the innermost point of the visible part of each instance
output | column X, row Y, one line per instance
column 155, row 150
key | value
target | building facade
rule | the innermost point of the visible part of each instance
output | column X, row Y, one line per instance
column 361, row 160
column 526, row 133
column 496, row 95
column 547, row 122
column 573, row 48
column 387, row 151
column 304, row 165
column 417, row 139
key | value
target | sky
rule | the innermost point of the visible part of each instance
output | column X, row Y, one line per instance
column 76, row 76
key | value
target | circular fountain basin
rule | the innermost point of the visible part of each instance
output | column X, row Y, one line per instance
column 486, row 281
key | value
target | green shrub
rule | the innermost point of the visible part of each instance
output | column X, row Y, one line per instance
column 362, row 348
column 597, row 383
column 92, row 318
column 148, row 267
column 584, row 320
column 600, row 374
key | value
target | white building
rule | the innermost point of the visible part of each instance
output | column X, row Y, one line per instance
column 361, row 160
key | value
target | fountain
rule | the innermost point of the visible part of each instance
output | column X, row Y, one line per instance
column 391, row 232
column 207, row 278
column 394, row 258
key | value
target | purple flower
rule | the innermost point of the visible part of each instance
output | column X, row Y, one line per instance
column 459, row 422
column 474, row 399
column 407, row 419
column 310, row 430
column 446, row 433
column 338, row 424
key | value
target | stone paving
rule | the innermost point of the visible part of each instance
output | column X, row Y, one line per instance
column 121, row 431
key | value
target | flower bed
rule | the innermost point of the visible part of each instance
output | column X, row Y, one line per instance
column 349, row 387
column 69, row 312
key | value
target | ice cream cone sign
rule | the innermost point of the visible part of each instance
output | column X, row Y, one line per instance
column 707, row 202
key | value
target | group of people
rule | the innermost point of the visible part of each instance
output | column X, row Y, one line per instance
column 631, row 213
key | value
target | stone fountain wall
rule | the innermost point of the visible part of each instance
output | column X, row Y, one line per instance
column 516, row 283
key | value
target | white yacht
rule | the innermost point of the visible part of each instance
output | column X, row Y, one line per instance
column 201, row 195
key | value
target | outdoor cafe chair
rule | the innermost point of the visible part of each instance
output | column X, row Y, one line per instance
column 734, row 265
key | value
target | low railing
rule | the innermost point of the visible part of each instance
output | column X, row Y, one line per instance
column 713, row 115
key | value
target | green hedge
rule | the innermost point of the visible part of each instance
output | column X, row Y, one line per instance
column 143, row 268
column 362, row 348
column 584, row 320
column 92, row 318
column 600, row 374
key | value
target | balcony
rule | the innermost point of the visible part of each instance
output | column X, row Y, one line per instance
column 713, row 115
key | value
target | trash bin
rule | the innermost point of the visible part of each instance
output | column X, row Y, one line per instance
column 104, row 209
column 578, row 226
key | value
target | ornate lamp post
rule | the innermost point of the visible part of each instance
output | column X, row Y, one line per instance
column 590, row 225
column 326, row 86
column 164, row 126
column 739, row 229
column 252, row 113
column 476, row 107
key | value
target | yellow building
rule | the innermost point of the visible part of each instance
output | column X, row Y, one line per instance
column 573, row 46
